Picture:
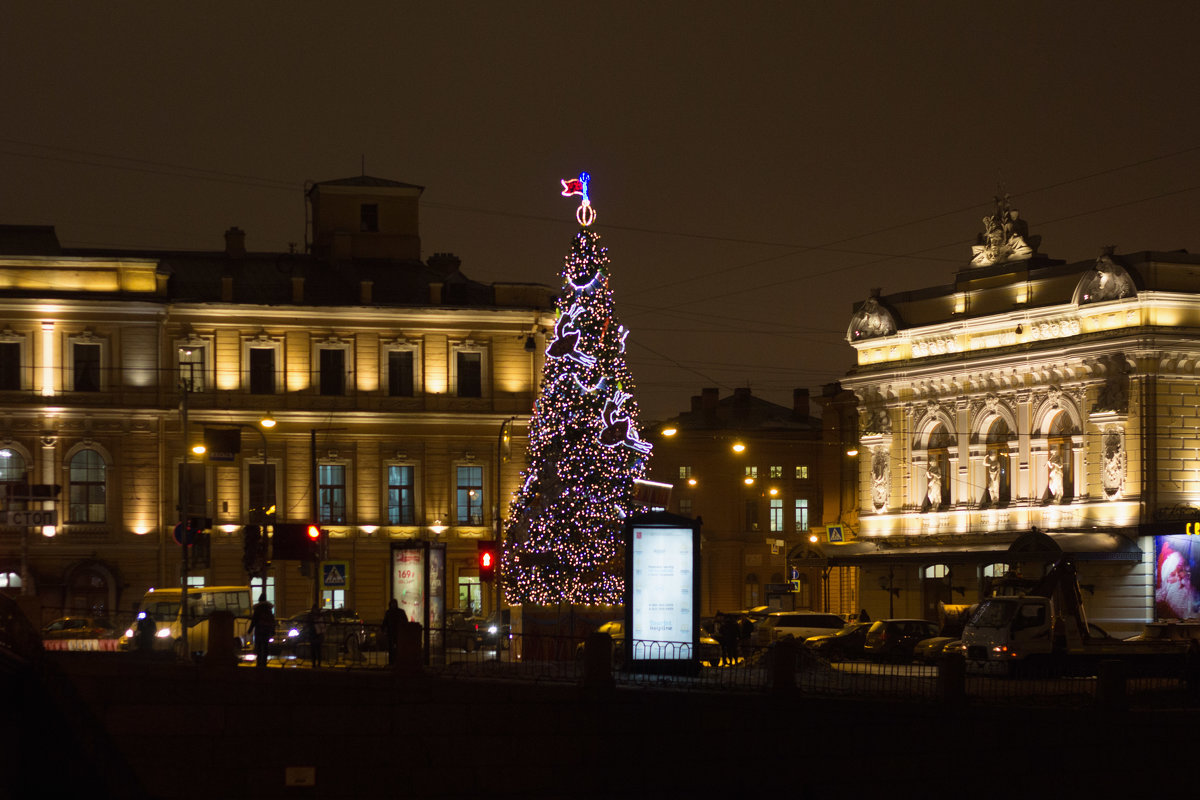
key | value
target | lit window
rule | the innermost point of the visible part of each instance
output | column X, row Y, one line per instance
column 86, row 473
column 331, row 493
column 776, row 511
column 192, row 362
column 10, row 580
column 801, row 515
column 685, row 473
column 776, row 472
column 751, row 472
column 401, row 508
column 470, row 496
column 12, row 466
column 333, row 599
column 802, row 471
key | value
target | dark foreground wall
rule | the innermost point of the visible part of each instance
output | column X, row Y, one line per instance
column 116, row 727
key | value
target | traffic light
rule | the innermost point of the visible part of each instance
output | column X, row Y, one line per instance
column 487, row 560
column 318, row 540
column 292, row 541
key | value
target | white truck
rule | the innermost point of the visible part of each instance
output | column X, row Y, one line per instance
column 1046, row 632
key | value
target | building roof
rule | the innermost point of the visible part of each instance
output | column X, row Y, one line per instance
column 743, row 411
column 369, row 181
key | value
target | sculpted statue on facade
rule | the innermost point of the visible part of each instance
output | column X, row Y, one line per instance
column 991, row 463
column 1112, row 472
column 1054, row 478
column 871, row 320
column 881, row 474
column 1005, row 237
column 933, row 489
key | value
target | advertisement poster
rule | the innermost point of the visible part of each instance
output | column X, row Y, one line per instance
column 1175, row 577
column 663, row 584
column 408, row 581
column 437, row 587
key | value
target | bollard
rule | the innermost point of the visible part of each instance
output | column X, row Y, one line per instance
column 783, row 665
column 220, row 640
column 1110, row 686
column 952, row 679
column 598, row 661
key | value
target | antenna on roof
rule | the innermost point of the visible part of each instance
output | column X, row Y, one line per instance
column 364, row 164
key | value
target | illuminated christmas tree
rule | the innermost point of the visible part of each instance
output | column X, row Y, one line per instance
column 564, row 540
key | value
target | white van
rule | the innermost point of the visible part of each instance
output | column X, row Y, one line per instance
column 800, row 624
column 163, row 606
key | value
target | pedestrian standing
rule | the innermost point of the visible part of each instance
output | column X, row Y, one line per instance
column 262, row 624
column 146, row 630
column 394, row 620
column 314, row 627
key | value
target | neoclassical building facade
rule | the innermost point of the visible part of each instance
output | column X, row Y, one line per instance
column 1030, row 408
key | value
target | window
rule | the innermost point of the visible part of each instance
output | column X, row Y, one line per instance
column 10, row 366
column 10, row 580
column 400, row 373
column 776, row 512
column 937, row 571
column 262, row 370
column 685, row 506
column 685, row 473
column 401, row 502
column 85, row 366
column 333, row 370
column 751, row 515
column 470, row 496
column 470, row 375
column 751, row 472
column 196, row 490
column 87, row 499
column 802, row 471
column 331, row 493
column 776, row 472
column 801, row 515
column 192, row 358
column 12, row 466
column 368, row 218
column 332, row 599
column 260, row 479
column 470, row 596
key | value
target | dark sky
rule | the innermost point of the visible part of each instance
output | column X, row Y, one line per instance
column 756, row 168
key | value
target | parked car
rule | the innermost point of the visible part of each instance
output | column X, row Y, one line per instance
column 344, row 630
column 895, row 639
column 79, row 628
column 844, row 645
column 495, row 631
column 933, row 650
column 462, row 630
column 800, row 624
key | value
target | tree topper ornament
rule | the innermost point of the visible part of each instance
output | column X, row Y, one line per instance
column 571, row 186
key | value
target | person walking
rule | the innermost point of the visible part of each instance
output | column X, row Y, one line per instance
column 262, row 624
column 146, row 630
column 314, row 628
column 394, row 620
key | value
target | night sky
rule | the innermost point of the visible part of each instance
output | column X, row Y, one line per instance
column 756, row 168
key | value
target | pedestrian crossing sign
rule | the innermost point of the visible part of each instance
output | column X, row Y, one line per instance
column 335, row 574
column 834, row 533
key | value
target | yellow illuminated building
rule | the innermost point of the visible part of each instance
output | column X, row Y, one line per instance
column 389, row 374
column 1032, row 407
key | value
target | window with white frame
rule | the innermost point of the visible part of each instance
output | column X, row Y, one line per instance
column 468, row 369
column 776, row 515
column 85, row 362
column 87, row 487
column 401, row 495
column 12, row 361
column 402, row 368
column 193, row 360
column 469, row 495
column 331, row 364
column 801, row 514
column 263, row 360
column 331, row 493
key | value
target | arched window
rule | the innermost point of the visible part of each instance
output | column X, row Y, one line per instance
column 88, row 498
column 12, row 466
column 996, row 489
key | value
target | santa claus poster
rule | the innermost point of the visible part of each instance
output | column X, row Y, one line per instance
column 1175, row 577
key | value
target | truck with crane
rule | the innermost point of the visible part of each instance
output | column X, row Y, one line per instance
column 1045, row 632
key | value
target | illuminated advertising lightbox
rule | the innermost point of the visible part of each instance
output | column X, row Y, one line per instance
column 1177, row 577
column 418, row 572
column 663, row 589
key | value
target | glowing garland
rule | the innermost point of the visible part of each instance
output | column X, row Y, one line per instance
column 572, row 186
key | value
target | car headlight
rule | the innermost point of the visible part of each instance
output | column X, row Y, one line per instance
column 163, row 633
column 491, row 629
column 293, row 633
column 129, row 633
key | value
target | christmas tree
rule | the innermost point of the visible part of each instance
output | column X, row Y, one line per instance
column 564, row 540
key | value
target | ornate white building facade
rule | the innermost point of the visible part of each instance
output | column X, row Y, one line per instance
column 1032, row 407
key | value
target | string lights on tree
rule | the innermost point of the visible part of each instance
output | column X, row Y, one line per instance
column 564, row 539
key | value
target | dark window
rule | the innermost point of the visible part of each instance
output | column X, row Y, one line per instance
column 400, row 373
column 196, row 490
column 401, row 503
column 331, row 493
column 470, row 374
column 369, row 218
column 86, row 361
column 262, row 370
column 470, row 496
column 87, row 487
column 751, row 515
column 262, row 479
column 333, row 371
column 10, row 366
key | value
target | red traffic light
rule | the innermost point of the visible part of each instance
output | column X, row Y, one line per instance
column 314, row 532
column 487, row 560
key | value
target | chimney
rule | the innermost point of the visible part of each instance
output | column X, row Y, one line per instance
column 708, row 402
column 741, row 401
column 364, row 292
column 800, row 406
column 695, row 403
column 235, row 242
column 298, row 289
